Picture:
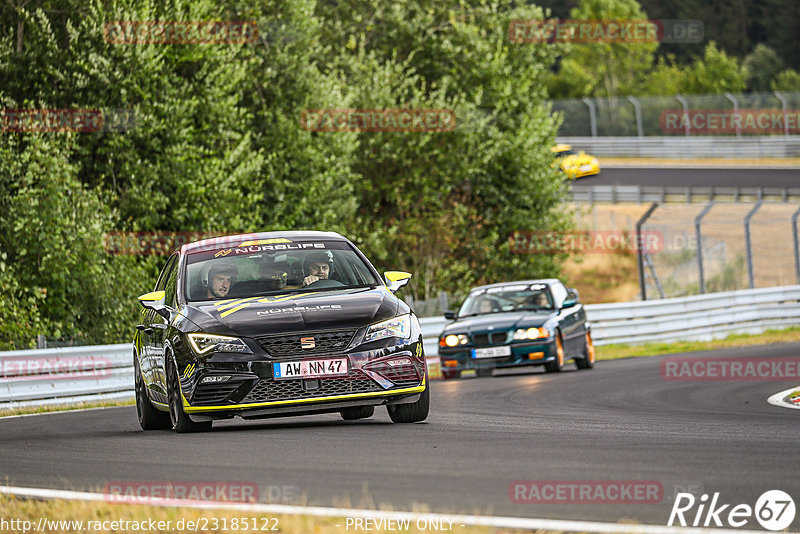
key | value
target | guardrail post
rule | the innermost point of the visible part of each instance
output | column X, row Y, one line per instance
column 592, row 115
column 639, row 261
column 697, row 221
column 637, row 109
column 796, row 246
column 747, row 249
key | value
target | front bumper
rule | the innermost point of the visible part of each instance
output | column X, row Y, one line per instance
column 522, row 354
column 392, row 375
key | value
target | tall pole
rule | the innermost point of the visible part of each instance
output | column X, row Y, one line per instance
column 697, row 221
column 639, row 258
column 747, row 249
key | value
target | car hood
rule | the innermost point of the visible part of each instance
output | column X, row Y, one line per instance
column 293, row 312
column 499, row 321
column 578, row 159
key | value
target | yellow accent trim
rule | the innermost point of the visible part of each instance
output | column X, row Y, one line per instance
column 226, row 301
column 152, row 296
column 189, row 371
column 197, row 409
column 237, row 308
column 264, row 242
column 235, row 302
column 160, row 404
column 282, row 298
column 396, row 276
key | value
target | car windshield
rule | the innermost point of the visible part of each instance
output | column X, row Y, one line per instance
column 507, row 298
column 563, row 153
column 261, row 269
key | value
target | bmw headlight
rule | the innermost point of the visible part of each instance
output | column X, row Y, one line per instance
column 399, row 326
column 530, row 333
column 453, row 340
column 208, row 343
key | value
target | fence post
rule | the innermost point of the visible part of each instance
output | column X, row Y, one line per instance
column 747, row 242
column 735, row 113
column 592, row 115
column 639, row 225
column 443, row 299
column 785, row 114
column 697, row 221
column 685, row 105
column 638, row 111
column 796, row 246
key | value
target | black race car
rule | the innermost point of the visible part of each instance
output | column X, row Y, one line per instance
column 276, row 324
column 535, row 322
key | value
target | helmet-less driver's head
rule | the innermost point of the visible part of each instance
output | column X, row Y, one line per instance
column 220, row 278
column 317, row 266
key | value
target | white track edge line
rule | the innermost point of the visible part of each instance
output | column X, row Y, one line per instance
column 319, row 511
column 777, row 399
column 4, row 417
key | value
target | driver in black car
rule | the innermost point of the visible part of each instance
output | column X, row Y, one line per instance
column 317, row 266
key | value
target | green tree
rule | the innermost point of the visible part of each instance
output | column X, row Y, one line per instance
column 761, row 65
column 787, row 81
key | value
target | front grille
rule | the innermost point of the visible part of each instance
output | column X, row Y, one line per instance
column 268, row 389
column 286, row 347
column 495, row 338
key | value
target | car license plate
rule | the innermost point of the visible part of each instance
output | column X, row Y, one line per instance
column 492, row 352
column 585, row 168
column 310, row 369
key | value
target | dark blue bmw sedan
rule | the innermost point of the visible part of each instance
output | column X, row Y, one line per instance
column 514, row 324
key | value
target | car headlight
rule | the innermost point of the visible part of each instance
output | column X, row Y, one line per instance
column 531, row 333
column 452, row 340
column 208, row 343
column 399, row 326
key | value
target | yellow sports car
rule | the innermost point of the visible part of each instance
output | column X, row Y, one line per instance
column 575, row 164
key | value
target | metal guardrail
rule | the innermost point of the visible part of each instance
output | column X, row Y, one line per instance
column 106, row 371
column 662, row 194
column 677, row 147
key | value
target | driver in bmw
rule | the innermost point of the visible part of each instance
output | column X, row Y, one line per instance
column 317, row 266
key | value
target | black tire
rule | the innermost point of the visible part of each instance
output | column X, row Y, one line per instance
column 413, row 412
column 556, row 365
column 181, row 422
column 450, row 374
column 587, row 362
column 362, row 412
column 149, row 417
column 484, row 372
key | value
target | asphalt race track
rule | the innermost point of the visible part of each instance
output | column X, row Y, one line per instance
column 620, row 421
column 695, row 177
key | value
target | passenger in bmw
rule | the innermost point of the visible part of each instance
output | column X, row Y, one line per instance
column 317, row 266
column 220, row 279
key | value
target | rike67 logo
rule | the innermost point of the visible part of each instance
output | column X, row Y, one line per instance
column 774, row 510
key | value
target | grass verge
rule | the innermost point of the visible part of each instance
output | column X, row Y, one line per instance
column 63, row 407
column 770, row 337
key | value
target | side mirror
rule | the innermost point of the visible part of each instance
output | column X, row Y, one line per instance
column 155, row 301
column 571, row 300
column 396, row 279
column 450, row 315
